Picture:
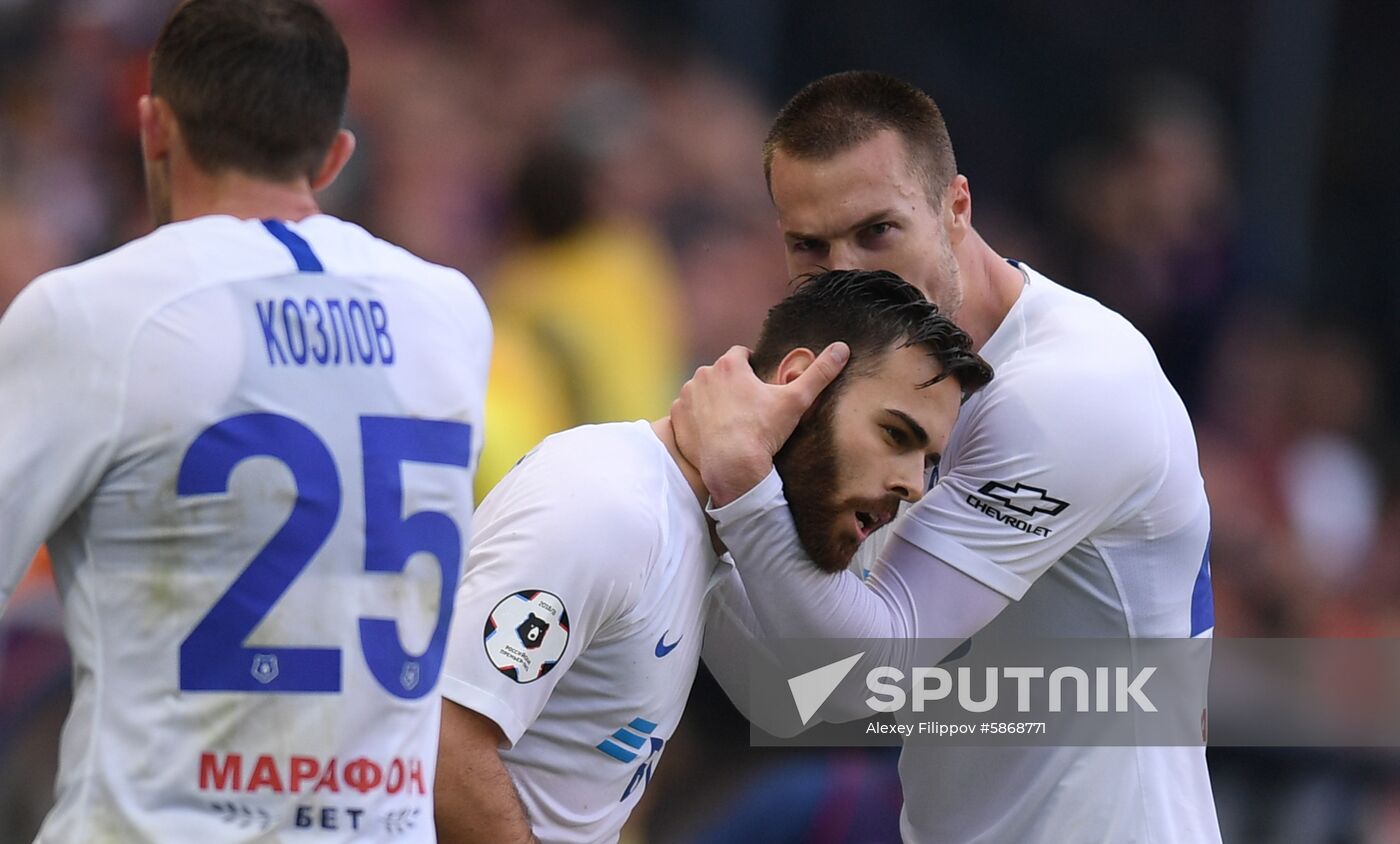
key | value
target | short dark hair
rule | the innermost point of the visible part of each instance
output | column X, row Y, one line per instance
column 872, row 311
column 840, row 111
column 257, row 86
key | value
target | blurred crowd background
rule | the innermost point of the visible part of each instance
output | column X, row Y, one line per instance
column 1222, row 172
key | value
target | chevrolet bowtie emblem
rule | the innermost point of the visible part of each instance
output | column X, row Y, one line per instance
column 1023, row 499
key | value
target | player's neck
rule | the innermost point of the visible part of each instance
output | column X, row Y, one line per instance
column 240, row 195
column 992, row 288
column 667, row 435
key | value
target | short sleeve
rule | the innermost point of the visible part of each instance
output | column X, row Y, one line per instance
column 1043, row 468
column 558, row 554
column 59, row 413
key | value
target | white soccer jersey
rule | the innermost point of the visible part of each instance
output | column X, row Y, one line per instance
column 250, row 446
column 579, row 623
column 1070, row 486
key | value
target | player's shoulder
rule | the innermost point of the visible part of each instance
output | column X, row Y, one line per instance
column 1074, row 381
column 351, row 249
column 101, row 277
column 581, row 498
column 102, row 299
column 176, row 259
column 447, row 288
column 607, row 479
column 1062, row 349
column 1062, row 326
column 617, row 463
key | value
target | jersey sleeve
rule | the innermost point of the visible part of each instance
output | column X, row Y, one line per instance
column 789, row 595
column 558, row 555
column 61, row 397
column 1044, row 468
column 739, row 656
column 734, row 637
column 782, row 595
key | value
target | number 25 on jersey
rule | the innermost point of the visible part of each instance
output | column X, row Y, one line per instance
column 214, row 657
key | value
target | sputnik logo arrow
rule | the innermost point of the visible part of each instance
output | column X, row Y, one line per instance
column 810, row 690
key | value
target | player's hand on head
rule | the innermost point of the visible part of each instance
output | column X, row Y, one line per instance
column 729, row 423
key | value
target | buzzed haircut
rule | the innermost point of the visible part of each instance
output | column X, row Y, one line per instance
column 257, row 86
column 843, row 110
column 873, row 312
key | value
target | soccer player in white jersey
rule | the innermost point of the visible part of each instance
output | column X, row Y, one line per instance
column 248, row 439
column 1069, row 502
column 580, row 621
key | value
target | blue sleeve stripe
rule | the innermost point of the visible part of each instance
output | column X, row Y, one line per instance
column 1202, row 598
column 629, row 739
column 307, row 261
column 616, row 752
column 642, row 725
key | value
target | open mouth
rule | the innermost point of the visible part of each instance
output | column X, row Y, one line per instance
column 867, row 522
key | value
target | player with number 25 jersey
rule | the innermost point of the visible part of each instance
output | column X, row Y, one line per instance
column 253, row 465
column 249, row 441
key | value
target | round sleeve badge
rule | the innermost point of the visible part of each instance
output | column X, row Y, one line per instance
column 526, row 634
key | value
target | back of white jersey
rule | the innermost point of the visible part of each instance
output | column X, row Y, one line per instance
column 265, row 509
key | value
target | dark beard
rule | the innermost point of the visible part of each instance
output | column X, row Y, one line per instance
column 807, row 465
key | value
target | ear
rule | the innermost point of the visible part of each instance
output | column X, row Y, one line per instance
column 793, row 365
column 158, row 127
column 336, row 158
column 957, row 209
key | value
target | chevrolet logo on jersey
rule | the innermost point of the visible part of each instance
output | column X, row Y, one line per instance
column 1023, row 499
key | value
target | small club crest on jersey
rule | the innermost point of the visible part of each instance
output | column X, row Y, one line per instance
column 408, row 678
column 526, row 634
column 264, row 668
